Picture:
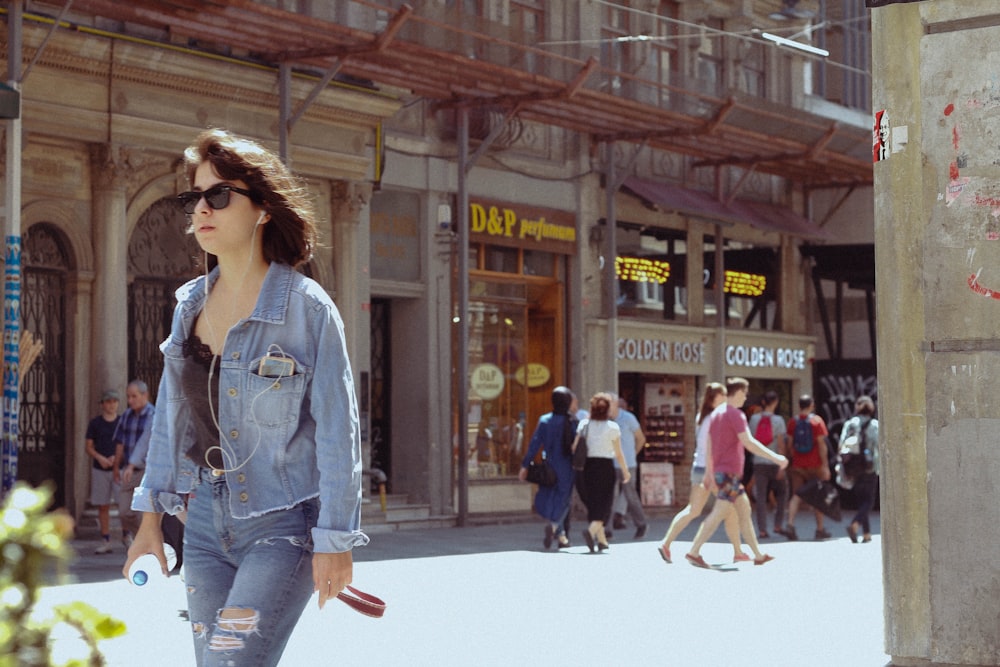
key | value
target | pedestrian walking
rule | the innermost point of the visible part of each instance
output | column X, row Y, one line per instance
column 258, row 437
column 554, row 436
column 604, row 443
column 714, row 397
column 728, row 438
column 864, row 428
column 769, row 429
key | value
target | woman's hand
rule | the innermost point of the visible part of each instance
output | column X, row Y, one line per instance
column 626, row 476
column 149, row 540
column 331, row 573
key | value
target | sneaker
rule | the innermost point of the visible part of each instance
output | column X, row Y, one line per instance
column 791, row 534
column 823, row 535
column 104, row 548
column 741, row 558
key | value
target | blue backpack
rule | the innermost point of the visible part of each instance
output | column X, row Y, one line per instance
column 802, row 439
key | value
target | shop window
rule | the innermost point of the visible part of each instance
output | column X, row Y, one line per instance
column 501, row 260
column 749, row 286
column 538, row 263
column 651, row 267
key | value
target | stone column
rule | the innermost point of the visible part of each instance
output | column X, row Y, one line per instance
column 352, row 283
column 937, row 265
column 109, row 325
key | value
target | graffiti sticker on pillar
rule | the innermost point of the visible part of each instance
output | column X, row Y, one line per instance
column 881, row 141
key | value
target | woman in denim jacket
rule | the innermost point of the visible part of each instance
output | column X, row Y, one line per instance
column 256, row 437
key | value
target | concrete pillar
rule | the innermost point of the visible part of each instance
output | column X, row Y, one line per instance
column 937, row 266
column 352, row 282
column 109, row 336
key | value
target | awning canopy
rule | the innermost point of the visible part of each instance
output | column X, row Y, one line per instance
column 700, row 204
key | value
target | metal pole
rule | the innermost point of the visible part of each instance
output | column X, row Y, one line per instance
column 284, row 111
column 720, row 298
column 12, row 257
column 462, row 382
column 610, row 269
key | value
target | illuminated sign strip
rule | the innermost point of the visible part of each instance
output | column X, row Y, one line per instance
column 642, row 270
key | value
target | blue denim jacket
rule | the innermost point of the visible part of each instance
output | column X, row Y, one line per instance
column 309, row 444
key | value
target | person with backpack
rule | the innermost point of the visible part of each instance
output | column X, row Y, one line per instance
column 864, row 428
column 770, row 430
column 806, row 442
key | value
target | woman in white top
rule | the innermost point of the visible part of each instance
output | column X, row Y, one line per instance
column 715, row 395
column 604, row 444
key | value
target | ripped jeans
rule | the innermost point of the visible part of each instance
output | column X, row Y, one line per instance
column 247, row 580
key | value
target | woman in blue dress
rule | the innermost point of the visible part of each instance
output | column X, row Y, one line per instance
column 554, row 436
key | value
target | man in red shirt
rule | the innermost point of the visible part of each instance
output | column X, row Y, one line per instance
column 728, row 438
column 810, row 460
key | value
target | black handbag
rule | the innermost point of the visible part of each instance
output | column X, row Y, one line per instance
column 823, row 496
column 541, row 474
column 580, row 452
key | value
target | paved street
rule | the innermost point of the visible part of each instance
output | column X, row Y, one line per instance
column 490, row 595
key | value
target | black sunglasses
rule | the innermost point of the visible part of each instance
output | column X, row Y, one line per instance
column 216, row 197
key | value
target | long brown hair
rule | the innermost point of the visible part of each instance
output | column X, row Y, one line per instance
column 290, row 234
column 712, row 391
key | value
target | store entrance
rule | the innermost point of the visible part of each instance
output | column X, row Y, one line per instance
column 515, row 356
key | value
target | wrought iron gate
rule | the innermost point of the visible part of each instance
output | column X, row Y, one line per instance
column 161, row 257
column 380, row 407
column 42, row 409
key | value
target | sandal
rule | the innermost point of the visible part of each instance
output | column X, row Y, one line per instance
column 664, row 553
column 697, row 561
column 766, row 558
column 741, row 558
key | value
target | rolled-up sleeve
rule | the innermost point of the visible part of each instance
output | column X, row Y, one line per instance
column 334, row 409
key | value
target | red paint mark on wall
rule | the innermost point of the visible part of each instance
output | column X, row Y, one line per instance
column 953, row 171
column 955, row 137
column 979, row 289
column 949, row 109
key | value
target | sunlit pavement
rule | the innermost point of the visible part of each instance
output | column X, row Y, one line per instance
column 491, row 595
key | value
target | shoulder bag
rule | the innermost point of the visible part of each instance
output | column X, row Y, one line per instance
column 580, row 449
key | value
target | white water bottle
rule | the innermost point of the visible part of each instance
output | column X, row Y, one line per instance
column 146, row 568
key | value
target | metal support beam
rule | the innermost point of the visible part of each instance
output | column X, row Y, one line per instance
column 462, row 381
column 284, row 111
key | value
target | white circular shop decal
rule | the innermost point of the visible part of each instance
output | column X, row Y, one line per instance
column 487, row 381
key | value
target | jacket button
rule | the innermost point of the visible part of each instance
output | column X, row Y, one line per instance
column 242, row 478
column 235, row 355
column 244, row 497
column 232, row 391
column 234, row 433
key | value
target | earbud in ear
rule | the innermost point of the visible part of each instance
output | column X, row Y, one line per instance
column 260, row 219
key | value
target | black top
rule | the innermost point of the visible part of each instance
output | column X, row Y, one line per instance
column 194, row 384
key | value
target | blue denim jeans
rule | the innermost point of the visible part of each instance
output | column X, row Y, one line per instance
column 258, row 570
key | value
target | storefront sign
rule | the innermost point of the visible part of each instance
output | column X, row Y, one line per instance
column 534, row 375
column 523, row 226
column 487, row 381
column 395, row 236
column 651, row 349
column 754, row 356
